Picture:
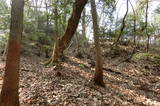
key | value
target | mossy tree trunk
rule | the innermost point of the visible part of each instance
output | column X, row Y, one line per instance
column 9, row 94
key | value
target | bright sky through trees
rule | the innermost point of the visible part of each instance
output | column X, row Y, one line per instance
column 120, row 11
column 121, row 7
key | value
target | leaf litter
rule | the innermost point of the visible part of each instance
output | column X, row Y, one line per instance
column 127, row 83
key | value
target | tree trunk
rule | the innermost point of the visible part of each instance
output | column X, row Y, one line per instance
column 123, row 25
column 146, row 25
column 84, row 24
column 9, row 94
column 47, row 30
column 55, row 53
column 98, row 77
column 134, row 29
column 71, row 29
column 148, row 43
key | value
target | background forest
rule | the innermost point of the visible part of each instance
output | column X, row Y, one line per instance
column 80, row 52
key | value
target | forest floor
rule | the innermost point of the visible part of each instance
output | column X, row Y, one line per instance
column 135, row 83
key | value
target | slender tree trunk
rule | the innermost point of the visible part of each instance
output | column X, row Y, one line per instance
column 56, row 48
column 55, row 53
column 134, row 40
column 77, row 43
column 148, row 42
column 36, row 15
column 134, row 29
column 84, row 24
column 9, row 94
column 123, row 25
column 47, row 18
column 47, row 30
column 70, row 31
column 98, row 77
column 134, row 35
column 146, row 25
column 64, row 20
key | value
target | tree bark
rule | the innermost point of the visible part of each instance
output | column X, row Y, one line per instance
column 72, row 24
column 70, row 31
column 5, row 51
column 9, row 94
column 98, row 76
